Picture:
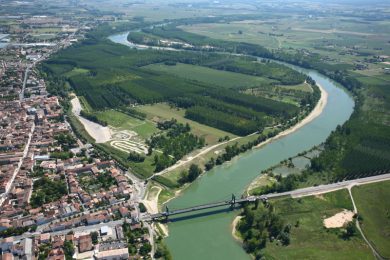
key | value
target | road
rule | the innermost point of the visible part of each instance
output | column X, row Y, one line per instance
column 25, row 152
column 201, row 152
column 295, row 194
column 330, row 187
column 86, row 229
column 21, row 95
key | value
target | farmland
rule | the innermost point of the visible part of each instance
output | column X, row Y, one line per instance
column 134, row 91
column 216, row 77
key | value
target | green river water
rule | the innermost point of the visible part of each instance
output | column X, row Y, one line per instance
column 207, row 235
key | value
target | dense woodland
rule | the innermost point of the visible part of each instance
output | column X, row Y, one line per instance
column 93, row 70
column 261, row 225
column 358, row 148
column 174, row 144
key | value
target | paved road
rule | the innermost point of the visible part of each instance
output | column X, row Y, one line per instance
column 21, row 95
column 295, row 194
column 330, row 187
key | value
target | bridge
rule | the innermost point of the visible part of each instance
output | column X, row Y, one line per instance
column 303, row 192
column 232, row 202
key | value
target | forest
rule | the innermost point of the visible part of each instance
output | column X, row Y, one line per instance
column 94, row 71
column 261, row 225
column 174, row 144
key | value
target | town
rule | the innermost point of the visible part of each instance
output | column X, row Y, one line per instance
column 60, row 198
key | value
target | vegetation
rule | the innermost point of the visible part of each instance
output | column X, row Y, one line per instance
column 303, row 219
column 117, row 87
column 193, row 173
column 177, row 142
column 374, row 213
column 46, row 190
column 260, row 224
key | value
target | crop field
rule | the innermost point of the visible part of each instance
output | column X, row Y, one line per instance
column 309, row 238
column 329, row 36
column 374, row 206
column 220, row 78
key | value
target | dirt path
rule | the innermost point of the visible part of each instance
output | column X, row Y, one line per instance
column 190, row 158
column 313, row 114
column 100, row 133
column 376, row 254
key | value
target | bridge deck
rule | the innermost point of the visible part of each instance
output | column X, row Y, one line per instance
column 204, row 206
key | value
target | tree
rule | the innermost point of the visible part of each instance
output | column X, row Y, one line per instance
column 145, row 249
column 68, row 249
column 142, row 207
column 284, row 238
column 210, row 164
column 350, row 230
column 94, row 236
column 193, row 172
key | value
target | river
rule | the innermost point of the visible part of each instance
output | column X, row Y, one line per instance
column 208, row 236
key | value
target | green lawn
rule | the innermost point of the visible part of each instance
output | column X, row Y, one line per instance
column 121, row 121
column 311, row 240
column 373, row 204
column 220, row 78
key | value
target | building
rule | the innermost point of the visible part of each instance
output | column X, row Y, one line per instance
column 113, row 254
column 85, row 243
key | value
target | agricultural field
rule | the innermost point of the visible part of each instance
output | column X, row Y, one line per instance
column 220, row 78
column 374, row 208
column 336, row 37
column 309, row 239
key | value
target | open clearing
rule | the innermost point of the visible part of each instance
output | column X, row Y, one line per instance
column 339, row 220
column 101, row 134
column 372, row 202
column 121, row 121
column 221, row 78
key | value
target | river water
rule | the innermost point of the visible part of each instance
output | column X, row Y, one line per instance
column 208, row 234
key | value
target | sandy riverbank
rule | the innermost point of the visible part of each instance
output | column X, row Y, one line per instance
column 100, row 133
column 313, row 114
column 234, row 226
column 151, row 203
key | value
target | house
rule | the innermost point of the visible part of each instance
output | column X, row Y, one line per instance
column 44, row 238
column 113, row 254
column 85, row 243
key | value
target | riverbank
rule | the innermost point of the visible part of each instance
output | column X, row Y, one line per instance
column 318, row 109
column 321, row 104
column 101, row 134
column 151, row 203
column 234, row 228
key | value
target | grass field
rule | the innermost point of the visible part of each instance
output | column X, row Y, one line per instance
column 311, row 240
column 122, row 121
column 374, row 206
column 211, row 76
column 163, row 111
column 76, row 71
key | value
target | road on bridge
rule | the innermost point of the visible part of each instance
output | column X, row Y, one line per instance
column 294, row 194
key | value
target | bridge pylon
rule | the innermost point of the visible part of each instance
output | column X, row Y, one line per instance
column 166, row 213
column 233, row 201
